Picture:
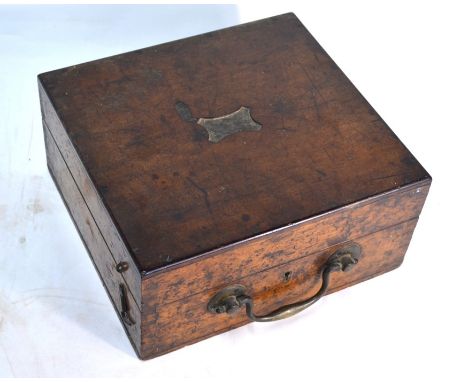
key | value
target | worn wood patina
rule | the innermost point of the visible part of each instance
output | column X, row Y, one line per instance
column 239, row 157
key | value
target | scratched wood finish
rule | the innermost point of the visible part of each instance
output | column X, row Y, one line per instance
column 145, row 186
column 321, row 145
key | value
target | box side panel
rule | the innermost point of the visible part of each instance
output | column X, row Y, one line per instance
column 186, row 321
column 216, row 269
column 92, row 238
column 91, row 197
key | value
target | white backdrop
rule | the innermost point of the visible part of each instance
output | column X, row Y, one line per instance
column 408, row 59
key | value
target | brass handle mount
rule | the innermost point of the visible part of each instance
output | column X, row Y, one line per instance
column 232, row 298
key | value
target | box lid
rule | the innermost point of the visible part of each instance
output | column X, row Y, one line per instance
column 209, row 140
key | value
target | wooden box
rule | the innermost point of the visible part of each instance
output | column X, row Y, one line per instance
column 228, row 177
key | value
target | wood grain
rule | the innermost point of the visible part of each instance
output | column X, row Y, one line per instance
column 93, row 201
column 91, row 236
column 171, row 193
column 228, row 264
column 184, row 321
column 189, row 216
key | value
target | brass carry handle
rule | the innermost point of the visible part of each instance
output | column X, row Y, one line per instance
column 232, row 298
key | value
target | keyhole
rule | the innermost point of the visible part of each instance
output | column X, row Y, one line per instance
column 287, row 276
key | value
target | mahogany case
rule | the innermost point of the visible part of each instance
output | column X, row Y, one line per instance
column 242, row 158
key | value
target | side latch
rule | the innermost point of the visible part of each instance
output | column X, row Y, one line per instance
column 124, row 311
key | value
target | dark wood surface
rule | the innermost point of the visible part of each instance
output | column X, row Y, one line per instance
column 91, row 201
column 145, row 186
column 97, row 248
column 170, row 193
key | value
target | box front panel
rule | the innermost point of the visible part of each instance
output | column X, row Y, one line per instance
column 181, row 322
